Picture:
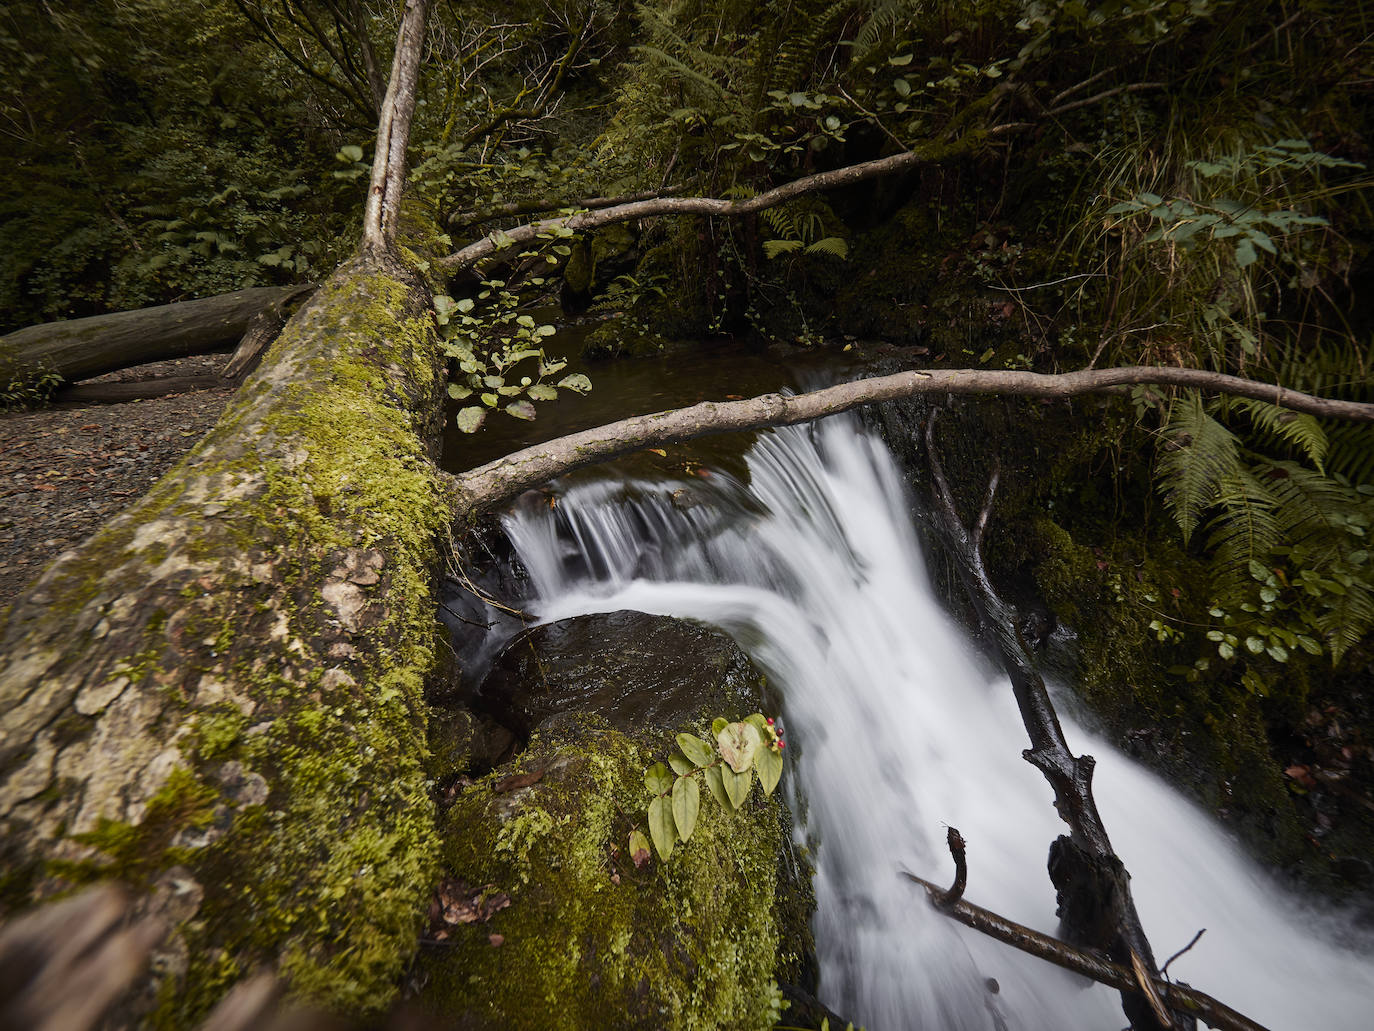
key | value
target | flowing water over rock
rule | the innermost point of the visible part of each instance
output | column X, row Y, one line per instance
column 902, row 729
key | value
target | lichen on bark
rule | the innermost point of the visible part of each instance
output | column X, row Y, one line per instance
column 255, row 633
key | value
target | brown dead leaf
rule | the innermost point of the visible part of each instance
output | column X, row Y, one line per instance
column 1302, row 775
column 516, row 781
column 457, row 902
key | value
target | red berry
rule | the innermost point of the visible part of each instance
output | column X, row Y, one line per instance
column 769, row 719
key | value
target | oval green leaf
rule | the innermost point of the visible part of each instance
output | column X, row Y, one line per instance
column 661, row 827
column 577, row 382
column 769, row 764
column 686, row 805
column 696, row 749
column 470, row 419
column 716, row 785
column 736, row 785
column 680, row 764
column 657, row 779
column 521, row 410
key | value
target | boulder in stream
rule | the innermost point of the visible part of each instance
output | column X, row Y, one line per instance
column 544, row 918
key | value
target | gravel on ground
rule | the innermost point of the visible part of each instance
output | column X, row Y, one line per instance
column 64, row 471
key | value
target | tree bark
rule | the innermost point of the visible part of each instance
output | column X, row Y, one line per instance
column 136, row 390
column 218, row 698
column 382, row 211
column 1179, row 997
column 80, row 348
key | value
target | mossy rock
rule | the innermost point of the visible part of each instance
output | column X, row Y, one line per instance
column 568, row 930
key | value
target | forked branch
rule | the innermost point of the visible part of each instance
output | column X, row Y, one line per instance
column 1178, row 997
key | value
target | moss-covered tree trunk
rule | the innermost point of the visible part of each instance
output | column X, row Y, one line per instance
column 219, row 696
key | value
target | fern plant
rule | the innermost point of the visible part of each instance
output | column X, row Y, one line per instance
column 1288, row 540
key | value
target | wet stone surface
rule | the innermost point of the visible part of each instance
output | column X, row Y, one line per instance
column 635, row 670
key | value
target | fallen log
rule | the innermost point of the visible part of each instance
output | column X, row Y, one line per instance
column 136, row 390
column 81, row 348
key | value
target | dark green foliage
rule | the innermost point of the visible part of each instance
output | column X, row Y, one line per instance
column 160, row 158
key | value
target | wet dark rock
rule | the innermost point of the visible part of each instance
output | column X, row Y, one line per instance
column 637, row 671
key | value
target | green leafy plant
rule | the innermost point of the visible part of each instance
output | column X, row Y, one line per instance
column 1289, row 544
column 26, row 388
column 741, row 750
column 500, row 355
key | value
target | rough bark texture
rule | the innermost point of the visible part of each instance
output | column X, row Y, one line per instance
column 218, row 698
column 382, row 212
column 80, row 348
column 488, row 485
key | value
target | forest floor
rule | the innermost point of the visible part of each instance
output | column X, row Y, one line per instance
column 66, row 469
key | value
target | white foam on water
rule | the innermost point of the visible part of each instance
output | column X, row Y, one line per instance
column 816, row 571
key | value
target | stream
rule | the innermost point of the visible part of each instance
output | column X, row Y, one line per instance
column 897, row 728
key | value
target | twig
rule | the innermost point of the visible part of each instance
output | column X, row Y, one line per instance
column 955, row 840
column 1165, row 968
column 1135, row 87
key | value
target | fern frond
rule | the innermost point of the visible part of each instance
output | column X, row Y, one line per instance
column 772, row 248
column 671, row 63
column 887, row 14
column 1341, row 368
column 1196, row 454
column 1348, row 619
column 780, row 221
column 832, row 245
column 792, row 67
column 1311, row 507
column 1351, row 451
column 1245, row 528
column 1297, row 429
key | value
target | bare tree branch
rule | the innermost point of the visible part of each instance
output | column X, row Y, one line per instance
column 534, row 207
column 489, row 485
column 393, row 133
column 496, row 243
column 1179, row 997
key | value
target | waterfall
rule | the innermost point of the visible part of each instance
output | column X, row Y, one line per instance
column 901, row 729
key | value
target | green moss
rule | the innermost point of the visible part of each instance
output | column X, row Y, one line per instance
column 327, row 880
column 136, row 852
column 588, row 940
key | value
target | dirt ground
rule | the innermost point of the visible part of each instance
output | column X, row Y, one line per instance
column 65, row 470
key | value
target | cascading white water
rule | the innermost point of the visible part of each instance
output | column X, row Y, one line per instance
column 814, row 568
